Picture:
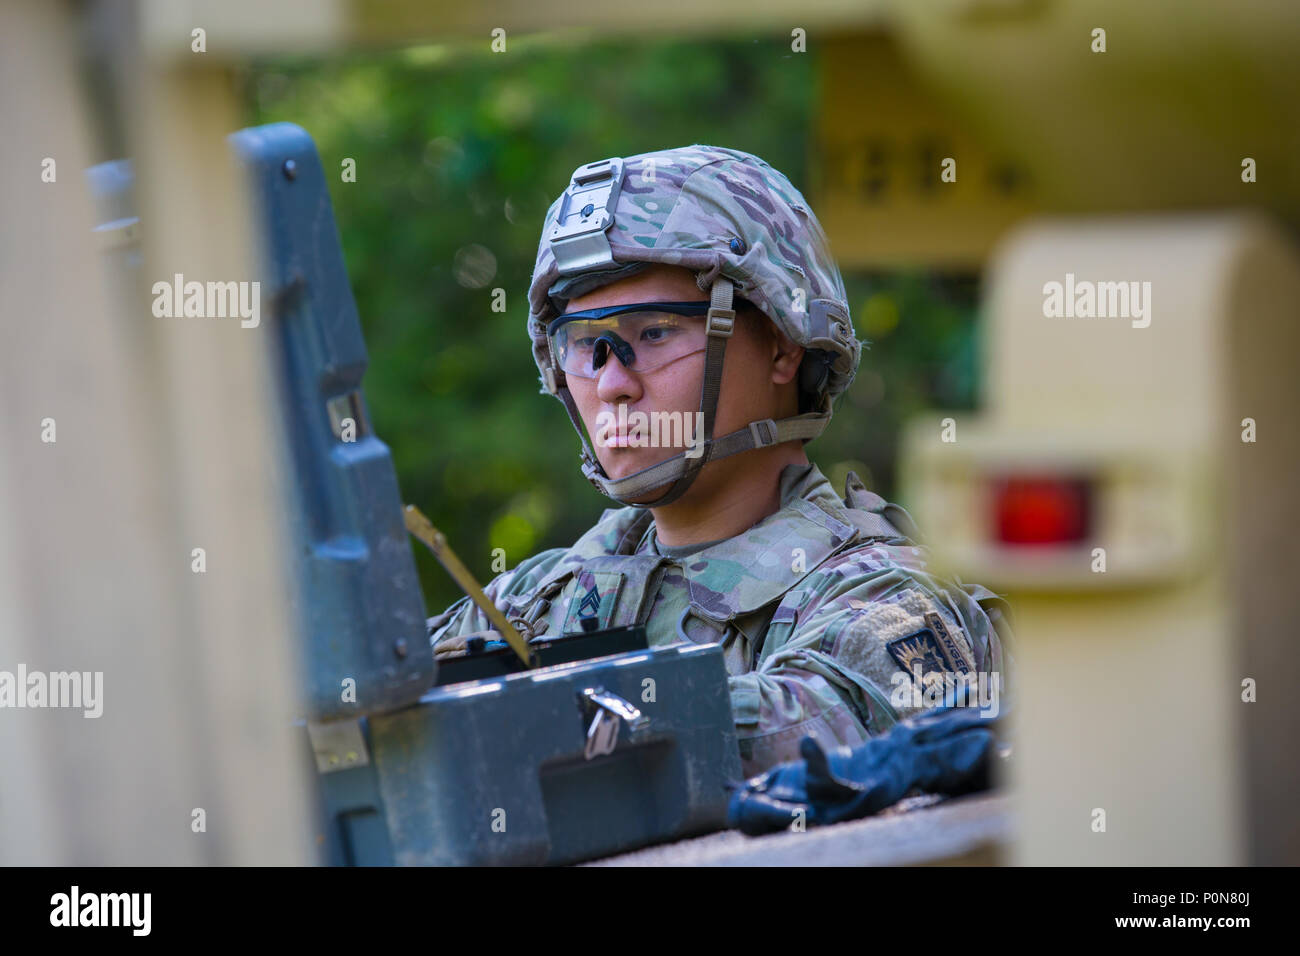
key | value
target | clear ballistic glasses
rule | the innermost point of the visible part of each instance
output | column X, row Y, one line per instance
column 641, row 335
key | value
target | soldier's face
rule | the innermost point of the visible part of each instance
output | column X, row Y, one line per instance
column 757, row 382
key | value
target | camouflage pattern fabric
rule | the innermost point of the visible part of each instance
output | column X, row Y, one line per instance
column 715, row 210
column 827, row 631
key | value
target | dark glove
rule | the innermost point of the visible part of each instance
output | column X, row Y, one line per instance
column 945, row 750
column 462, row 645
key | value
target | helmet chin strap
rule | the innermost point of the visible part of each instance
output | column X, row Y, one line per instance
column 681, row 470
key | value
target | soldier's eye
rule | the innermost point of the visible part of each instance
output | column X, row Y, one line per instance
column 658, row 333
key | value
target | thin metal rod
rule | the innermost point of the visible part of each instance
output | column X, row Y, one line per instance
column 423, row 529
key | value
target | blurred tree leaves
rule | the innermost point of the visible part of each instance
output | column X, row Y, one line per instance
column 458, row 155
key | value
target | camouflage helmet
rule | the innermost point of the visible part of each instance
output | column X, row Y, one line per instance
column 741, row 227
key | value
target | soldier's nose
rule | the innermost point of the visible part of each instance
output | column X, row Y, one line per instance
column 615, row 384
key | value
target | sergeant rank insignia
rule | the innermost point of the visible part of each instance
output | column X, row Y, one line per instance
column 589, row 606
column 594, row 597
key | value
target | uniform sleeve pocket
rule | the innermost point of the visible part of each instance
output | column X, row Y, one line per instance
column 745, row 703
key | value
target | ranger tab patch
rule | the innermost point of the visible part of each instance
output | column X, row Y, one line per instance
column 953, row 647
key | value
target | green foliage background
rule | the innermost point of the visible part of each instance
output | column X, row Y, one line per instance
column 459, row 152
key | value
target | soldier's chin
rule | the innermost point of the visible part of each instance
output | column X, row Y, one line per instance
column 622, row 462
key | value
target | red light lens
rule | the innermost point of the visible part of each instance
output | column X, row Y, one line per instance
column 1042, row 510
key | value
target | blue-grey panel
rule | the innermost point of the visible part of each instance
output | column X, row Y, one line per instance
column 351, row 824
column 493, row 771
column 359, row 600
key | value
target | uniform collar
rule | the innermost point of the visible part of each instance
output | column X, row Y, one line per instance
column 758, row 566
column 745, row 572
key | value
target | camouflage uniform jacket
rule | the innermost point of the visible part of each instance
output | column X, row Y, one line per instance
column 816, row 615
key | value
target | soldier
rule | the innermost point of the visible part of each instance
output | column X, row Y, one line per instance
column 651, row 269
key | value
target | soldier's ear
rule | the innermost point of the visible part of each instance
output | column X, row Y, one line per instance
column 786, row 357
column 784, row 353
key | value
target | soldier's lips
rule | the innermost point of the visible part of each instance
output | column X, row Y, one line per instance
column 631, row 437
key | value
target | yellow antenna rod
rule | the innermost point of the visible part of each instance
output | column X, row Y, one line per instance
column 422, row 528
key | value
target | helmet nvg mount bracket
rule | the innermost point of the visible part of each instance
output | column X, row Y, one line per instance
column 743, row 229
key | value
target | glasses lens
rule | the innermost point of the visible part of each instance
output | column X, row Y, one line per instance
column 654, row 338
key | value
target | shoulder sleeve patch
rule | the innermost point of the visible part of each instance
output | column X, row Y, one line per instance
column 919, row 654
column 882, row 638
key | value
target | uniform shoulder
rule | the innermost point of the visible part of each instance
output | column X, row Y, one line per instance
column 883, row 591
column 898, row 561
column 526, row 573
column 616, row 532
